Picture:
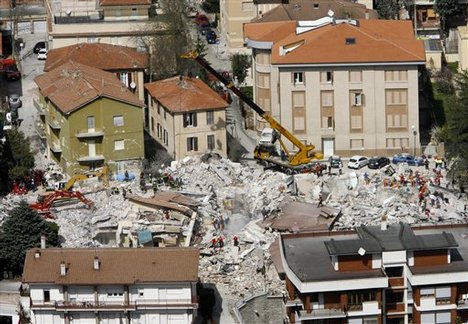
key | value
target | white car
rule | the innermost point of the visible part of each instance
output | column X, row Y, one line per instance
column 42, row 55
column 268, row 137
column 357, row 162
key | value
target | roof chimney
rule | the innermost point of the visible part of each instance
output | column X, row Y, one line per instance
column 37, row 254
column 43, row 241
column 96, row 263
column 63, row 268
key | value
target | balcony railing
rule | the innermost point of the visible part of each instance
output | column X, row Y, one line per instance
column 55, row 147
column 39, row 106
column 395, row 307
column 396, row 282
column 88, row 158
column 336, row 312
column 117, row 304
column 354, row 307
column 462, row 303
column 54, row 124
column 40, row 130
column 89, row 134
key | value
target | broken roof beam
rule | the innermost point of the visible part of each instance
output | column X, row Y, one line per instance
column 160, row 204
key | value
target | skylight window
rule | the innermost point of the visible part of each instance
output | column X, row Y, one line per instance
column 350, row 41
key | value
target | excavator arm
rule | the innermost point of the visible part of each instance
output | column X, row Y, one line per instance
column 102, row 173
column 305, row 152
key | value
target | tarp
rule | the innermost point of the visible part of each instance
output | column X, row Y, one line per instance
column 144, row 236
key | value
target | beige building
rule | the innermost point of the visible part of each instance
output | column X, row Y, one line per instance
column 117, row 22
column 462, row 33
column 348, row 87
column 187, row 117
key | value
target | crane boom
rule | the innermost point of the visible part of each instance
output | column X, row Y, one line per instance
column 305, row 152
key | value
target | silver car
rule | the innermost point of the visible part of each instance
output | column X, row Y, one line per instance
column 15, row 101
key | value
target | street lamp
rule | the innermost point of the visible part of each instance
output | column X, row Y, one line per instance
column 414, row 139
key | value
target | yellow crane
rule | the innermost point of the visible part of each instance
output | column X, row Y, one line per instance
column 305, row 152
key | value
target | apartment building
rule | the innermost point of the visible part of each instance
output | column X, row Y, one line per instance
column 125, row 62
column 187, row 117
column 117, row 22
column 346, row 86
column 88, row 118
column 388, row 274
column 124, row 285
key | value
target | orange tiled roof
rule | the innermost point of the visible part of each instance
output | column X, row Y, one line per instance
column 270, row 31
column 376, row 41
column 117, row 266
column 124, row 2
column 99, row 55
column 188, row 94
column 72, row 85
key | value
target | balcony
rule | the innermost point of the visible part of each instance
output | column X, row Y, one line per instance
column 463, row 302
column 94, row 158
column 87, row 305
column 430, row 302
column 55, row 147
column 397, row 282
column 40, row 130
column 365, row 308
column 54, row 124
column 294, row 303
column 392, row 308
column 337, row 312
column 39, row 106
column 90, row 134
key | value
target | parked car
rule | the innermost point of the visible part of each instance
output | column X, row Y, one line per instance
column 204, row 30
column 38, row 47
column 12, row 73
column 42, row 55
column 202, row 20
column 211, row 37
column 407, row 158
column 357, row 162
column 14, row 101
column 335, row 161
column 378, row 162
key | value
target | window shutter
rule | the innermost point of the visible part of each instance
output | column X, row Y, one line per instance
column 184, row 117
column 195, row 143
column 194, row 119
column 443, row 292
column 188, row 144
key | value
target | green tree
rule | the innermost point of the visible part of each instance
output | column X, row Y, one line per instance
column 20, row 231
column 457, row 129
column 240, row 63
column 446, row 9
column 210, row 6
column 388, row 9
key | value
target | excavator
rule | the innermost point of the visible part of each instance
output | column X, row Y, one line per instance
column 45, row 202
column 305, row 153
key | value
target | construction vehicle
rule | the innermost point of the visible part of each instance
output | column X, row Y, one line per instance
column 45, row 202
column 267, row 152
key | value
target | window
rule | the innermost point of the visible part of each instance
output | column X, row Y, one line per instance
column 190, row 120
column 91, row 122
column 210, row 139
column 46, row 296
column 398, row 143
column 327, row 98
column 125, row 78
column 355, row 76
column 118, row 121
column 396, row 75
column 263, row 80
column 396, row 97
column 165, row 114
column 166, row 137
column 443, row 318
column 357, row 99
column 298, row 77
column 326, row 77
column 192, row 144
column 159, row 109
column 210, row 117
column 152, row 124
column 159, row 127
column 330, row 122
column 299, row 112
column 119, row 145
column 356, row 144
column 247, row 6
column 262, row 58
column 428, row 318
column 356, row 122
column 350, row 41
column 397, row 120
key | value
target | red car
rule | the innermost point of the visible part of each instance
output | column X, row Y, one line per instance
column 202, row 20
column 12, row 73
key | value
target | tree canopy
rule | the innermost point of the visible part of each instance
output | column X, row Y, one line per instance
column 457, row 129
column 240, row 63
column 20, row 231
column 446, row 9
column 388, row 9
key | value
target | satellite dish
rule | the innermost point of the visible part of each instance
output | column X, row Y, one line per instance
column 8, row 117
column 68, row 12
column 132, row 85
column 361, row 251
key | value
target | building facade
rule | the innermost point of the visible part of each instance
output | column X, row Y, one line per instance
column 88, row 118
column 346, row 86
column 125, row 285
column 187, row 117
column 392, row 274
